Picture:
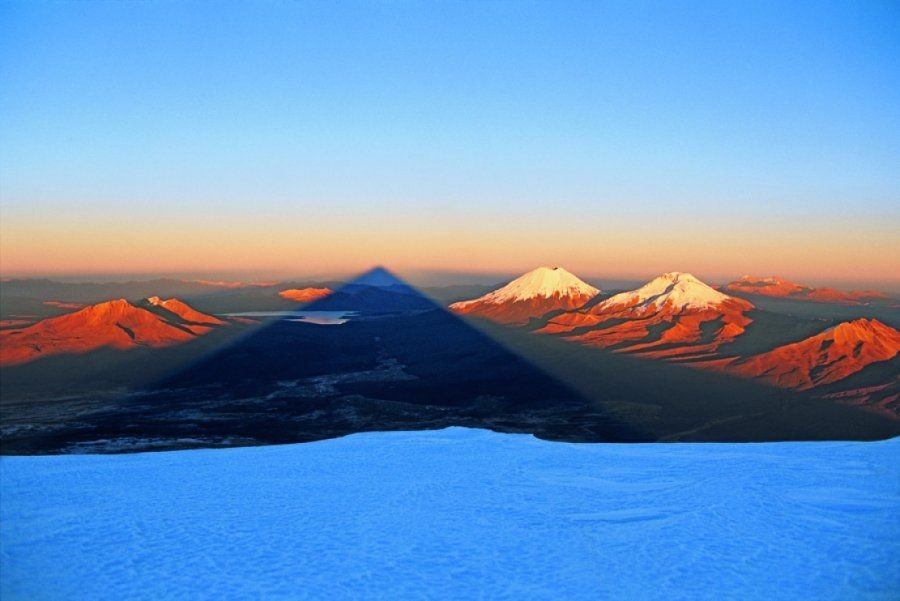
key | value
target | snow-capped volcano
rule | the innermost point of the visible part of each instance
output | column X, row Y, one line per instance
column 663, row 318
column 543, row 282
column 676, row 291
column 531, row 295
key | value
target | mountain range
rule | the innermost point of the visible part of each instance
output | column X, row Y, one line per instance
column 672, row 359
column 674, row 317
column 679, row 318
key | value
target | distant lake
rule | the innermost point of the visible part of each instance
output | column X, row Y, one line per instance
column 325, row 318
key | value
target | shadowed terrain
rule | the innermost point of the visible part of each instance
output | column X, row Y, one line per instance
column 400, row 361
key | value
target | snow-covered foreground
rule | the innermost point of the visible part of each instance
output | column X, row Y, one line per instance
column 457, row 514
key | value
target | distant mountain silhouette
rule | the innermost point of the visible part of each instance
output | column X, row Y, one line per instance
column 376, row 291
column 780, row 288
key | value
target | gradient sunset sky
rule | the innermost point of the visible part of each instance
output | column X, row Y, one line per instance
column 617, row 139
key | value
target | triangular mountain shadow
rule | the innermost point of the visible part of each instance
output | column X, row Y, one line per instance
column 401, row 362
column 375, row 292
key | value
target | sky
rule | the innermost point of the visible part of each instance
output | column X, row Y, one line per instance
column 618, row 139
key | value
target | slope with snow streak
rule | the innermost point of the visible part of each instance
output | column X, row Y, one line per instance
column 456, row 513
column 194, row 320
column 534, row 294
column 673, row 316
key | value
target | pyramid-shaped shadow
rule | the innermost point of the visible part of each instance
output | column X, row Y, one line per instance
column 400, row 361
column 290, row 345
column 376, row 292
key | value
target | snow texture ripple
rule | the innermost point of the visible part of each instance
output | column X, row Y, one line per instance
column 456, row 514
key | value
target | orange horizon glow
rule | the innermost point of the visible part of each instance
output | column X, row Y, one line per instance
column 821, row 253
column 615, row 145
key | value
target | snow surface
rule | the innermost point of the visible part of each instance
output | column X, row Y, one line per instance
column 543, row 282
column 682, row 290
column 458, row 514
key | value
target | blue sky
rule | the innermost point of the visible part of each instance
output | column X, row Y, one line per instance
column 453, row 118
